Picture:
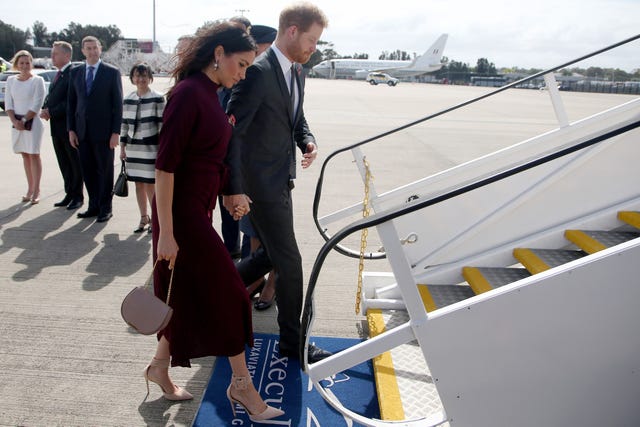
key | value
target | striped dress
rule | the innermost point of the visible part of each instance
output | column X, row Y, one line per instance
column 141, row 123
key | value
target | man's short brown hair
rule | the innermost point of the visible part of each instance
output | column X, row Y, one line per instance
column 303, row 15
column 90, row 39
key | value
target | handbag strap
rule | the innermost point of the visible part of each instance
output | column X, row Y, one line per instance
column 150, row 279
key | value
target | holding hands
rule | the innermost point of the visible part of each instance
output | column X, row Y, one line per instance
column 237, row 205
column 310, row 155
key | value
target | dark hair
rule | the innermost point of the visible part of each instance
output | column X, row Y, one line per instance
column 142, row 68
column 242, row 20
column 201, row 51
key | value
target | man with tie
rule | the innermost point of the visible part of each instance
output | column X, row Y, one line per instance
column 267, row 108
column 94, row 115
column 55, row 110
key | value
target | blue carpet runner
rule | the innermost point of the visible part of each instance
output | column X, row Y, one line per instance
column 281, row 382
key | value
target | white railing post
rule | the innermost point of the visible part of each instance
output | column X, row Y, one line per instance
column 556, row 100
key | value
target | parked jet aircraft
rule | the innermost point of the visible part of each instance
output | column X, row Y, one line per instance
column 359, row 68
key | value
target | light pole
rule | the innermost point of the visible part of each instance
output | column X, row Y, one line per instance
column 153, row 46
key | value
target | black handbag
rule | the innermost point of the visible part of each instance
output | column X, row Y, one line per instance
column 121, row 188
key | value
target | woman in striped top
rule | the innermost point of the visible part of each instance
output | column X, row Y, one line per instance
column 141, row 123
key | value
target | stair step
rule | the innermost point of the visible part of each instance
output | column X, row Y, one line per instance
column 592, row 241
column 483, row 279
column 438, row 296
column 539, row 260
column 630, row 217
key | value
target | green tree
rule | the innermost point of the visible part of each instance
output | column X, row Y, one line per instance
column 483, row 66
column 12, row 39
column 41, row 35
column 455, row 72
column 74, row 33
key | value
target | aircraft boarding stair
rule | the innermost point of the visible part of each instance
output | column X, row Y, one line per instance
column 512, row 296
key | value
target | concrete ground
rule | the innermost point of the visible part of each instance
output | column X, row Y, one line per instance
column 66, row 356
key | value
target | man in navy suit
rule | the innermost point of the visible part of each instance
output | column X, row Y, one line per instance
column 94, row 115
column 267, row 108
column 55, row 110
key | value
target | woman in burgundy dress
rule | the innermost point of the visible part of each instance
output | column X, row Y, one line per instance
column 212, row 311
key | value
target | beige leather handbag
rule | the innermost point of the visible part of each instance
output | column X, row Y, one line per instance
column 145, row 312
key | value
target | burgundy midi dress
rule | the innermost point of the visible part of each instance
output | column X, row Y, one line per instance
column 212, row 311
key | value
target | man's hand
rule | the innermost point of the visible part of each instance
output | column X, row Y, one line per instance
column 73, row 139
column 114, row 141
column 237, row 205
column 44, row 114
column 310, row 155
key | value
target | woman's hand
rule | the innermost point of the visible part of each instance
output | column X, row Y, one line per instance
column 167, row 248
column 123, row 152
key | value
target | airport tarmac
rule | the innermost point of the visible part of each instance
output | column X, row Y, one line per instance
column 66, row 356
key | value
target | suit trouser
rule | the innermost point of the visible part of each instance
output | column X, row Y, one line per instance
column 273, row 222
column 96, row 159
column 230, row 229
column 69, row 163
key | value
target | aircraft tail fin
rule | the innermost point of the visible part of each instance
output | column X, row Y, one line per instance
column 431, row 58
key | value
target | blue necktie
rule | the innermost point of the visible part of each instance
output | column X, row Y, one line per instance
column 90, row 79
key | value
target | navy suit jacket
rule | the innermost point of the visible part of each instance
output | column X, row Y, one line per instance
column 262, row 154
column 56, row 103
column 97, row 115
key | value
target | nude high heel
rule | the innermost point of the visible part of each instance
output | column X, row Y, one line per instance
column 241, row 383
column 178, row 393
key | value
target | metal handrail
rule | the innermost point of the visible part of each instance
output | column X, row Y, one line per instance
column 385, row 216
column 316, row 201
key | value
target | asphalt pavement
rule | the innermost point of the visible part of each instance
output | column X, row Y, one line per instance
column 66, row 356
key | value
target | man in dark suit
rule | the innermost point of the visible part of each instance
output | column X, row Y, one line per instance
column 94, row 115
column 55, row 110
column 267, row 108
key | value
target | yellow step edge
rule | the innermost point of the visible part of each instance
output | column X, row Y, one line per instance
column 385, row 375
column 530, row 260
column 427, row 299
column 584, row 241
column 631, row 218
column 476, row 280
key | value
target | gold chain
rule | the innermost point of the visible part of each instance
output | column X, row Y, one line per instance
column 365, row 232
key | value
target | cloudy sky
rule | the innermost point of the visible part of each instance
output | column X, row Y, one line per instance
column 540, row 34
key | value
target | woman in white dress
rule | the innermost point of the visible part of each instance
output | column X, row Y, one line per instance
column 23, row 98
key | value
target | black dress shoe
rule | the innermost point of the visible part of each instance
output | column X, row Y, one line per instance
column 314, row 354
column 105, row 217
column 63, row 202
column 87, row 214
column 261, row 305
column 75, row 204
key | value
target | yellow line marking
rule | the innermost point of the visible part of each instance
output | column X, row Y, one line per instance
column 584, row 241
column 386, row 383
column 631, row 218
column 476, row 280
column 530, row 260
column 427, row 299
